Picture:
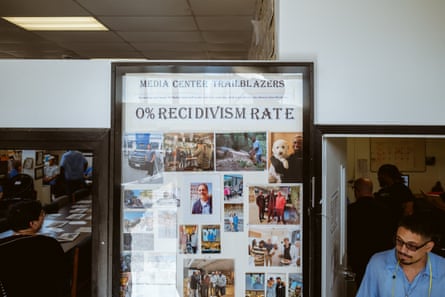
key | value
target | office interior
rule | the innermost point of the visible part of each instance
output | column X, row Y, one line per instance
column 356, row 83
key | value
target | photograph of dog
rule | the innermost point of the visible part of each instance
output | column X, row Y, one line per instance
column 278, row 160
column 286, row 157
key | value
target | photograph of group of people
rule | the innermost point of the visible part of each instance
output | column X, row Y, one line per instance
column 275, row 247
column 208, row 277
column 272, row 205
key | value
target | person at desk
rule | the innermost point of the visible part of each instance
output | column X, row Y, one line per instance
column 72, row 167
column 31, row 264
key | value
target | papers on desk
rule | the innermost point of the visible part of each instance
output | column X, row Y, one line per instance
column 52, row 216
column 78, row 210
column 84, row 230
column 57, row 224
column 67, row 236
column 75, row 216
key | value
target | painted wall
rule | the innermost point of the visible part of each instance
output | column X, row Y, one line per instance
column 376, row 62
column 55, row 94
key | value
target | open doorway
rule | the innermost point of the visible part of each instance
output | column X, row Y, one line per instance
column 420, row 159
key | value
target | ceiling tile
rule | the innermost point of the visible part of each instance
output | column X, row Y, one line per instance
column 81, row 37
column 111, row 46
column 41, row 8
column 227, row 36
column 230, row 23
column 223, row 7
column 175, row 55
column 137, row 7
column 192, row 36
column 185, row 47
column 143, row 24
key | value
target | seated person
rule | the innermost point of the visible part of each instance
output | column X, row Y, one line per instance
column 15, row 167
column 31, row 264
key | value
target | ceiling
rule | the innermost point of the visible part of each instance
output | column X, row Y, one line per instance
column 138, row 29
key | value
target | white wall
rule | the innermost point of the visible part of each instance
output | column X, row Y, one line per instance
column 376, row 62
column 55, row 94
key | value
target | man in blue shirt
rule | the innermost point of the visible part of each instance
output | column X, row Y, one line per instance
column 410, row 269
column 72, row 166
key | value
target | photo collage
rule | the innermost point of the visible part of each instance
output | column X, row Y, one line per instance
column 221, row 212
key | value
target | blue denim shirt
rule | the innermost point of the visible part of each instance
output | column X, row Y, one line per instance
column 385, row 278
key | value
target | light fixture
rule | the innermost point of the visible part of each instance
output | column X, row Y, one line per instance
column 57, row 23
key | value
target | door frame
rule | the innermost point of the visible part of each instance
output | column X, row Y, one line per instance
column 347, row 131
column 97, row 142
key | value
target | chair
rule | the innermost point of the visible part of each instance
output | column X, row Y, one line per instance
column 81, row 194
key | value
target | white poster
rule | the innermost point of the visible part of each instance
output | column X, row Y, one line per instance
column 212, row 171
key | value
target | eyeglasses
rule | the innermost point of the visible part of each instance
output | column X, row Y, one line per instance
column 412, row 247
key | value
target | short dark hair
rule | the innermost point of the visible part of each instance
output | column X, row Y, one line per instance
column 23, row 212
column 421, row 224
column 390, row 170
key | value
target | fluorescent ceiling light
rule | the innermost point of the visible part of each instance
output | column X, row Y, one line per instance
column 57, row 23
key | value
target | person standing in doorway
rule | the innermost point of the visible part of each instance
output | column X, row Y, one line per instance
column 362, row 234
column 410, row 268
column 393, row 193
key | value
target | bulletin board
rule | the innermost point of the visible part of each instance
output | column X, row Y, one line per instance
column 195, row 141
column 407, row 154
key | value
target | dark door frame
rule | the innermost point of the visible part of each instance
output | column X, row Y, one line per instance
column 97, row 142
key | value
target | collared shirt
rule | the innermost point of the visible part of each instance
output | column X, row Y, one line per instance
column 384, row 277
column 205, row 207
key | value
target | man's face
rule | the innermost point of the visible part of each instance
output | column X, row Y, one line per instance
column 411, row 247
column 297, row 143
column 203, row 192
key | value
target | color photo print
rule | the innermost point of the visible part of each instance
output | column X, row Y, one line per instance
column 275, row 247
column 273, row 205
column 209, row 277
column 189, row 151
column 241, row 151
column 285, row 163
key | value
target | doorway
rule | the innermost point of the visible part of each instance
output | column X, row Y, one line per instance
column 346, row 157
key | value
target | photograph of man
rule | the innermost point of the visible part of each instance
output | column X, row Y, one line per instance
column 286, row 157
column 202, row 205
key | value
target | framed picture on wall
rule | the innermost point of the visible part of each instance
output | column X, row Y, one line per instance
column 38, row 173
column 39, row 158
